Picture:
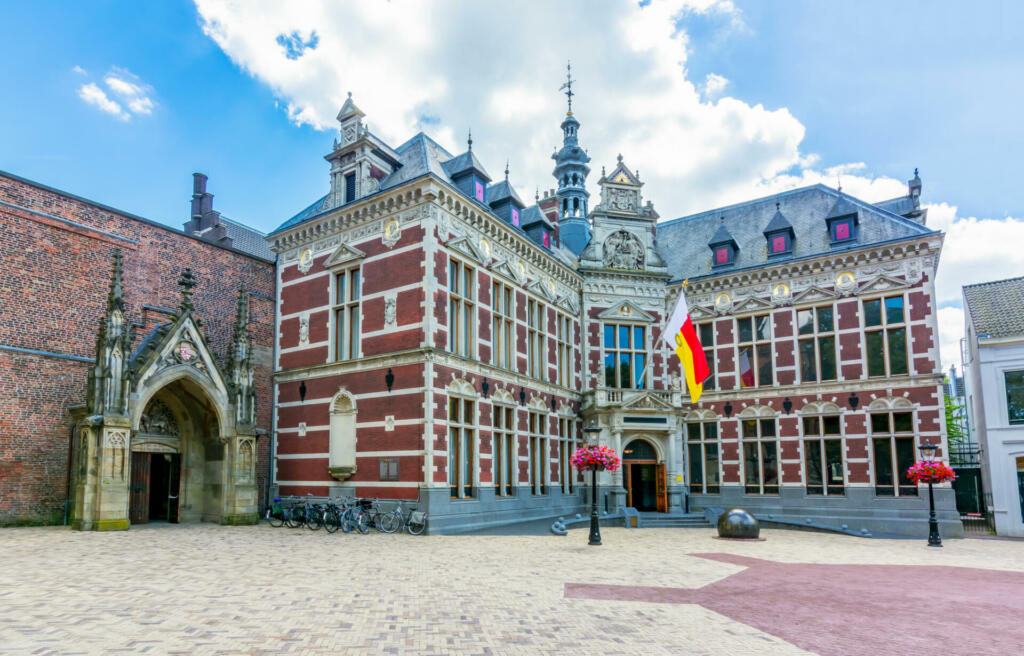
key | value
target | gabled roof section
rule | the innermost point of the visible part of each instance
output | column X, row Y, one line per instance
column 842, row 207
column 778, row 223
column 465, row 163
column 349, row 109
column 683, row 242
column 994, row 307
column 532, row 216
column 722, row 236
column 622, row 175
column 503, row 190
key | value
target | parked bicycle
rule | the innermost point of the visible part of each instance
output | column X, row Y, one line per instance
column 345, row 514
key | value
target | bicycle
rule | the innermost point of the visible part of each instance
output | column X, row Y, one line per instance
column 313, row 514
column 276, row 513
column 415, row 522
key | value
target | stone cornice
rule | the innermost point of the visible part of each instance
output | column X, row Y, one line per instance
column 840, row 261
column 840, row 389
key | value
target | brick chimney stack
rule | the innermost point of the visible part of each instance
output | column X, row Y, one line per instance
column 205, row 221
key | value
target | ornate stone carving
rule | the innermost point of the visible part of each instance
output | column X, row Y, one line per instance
column 392, row 232
column 390, row 311
column 623, row 250
column 158, row 420
column 622, row 200
column 304, row 329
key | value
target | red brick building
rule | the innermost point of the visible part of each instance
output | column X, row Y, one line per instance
column 58, row 251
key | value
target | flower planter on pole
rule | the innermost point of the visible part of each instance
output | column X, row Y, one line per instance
column 930, row 471
column 595, row 458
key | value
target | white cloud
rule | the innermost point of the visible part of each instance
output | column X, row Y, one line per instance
column 951, row 329
column 95, row 96
column 78, row 69
column 714, row 86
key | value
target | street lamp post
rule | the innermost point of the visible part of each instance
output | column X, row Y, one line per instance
column 934, row 540
column 595, row 527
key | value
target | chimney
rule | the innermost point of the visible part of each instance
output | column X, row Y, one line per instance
column 205, row 221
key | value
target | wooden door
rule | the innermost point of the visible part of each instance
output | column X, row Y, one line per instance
column 173, row 487
column 661, row 486
column 138, row 500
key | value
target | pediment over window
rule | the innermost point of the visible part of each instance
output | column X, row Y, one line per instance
column 344, row 254
column 647, row 401
column 504, row 268
column 881, row 283
column 567, row 304
column 626, row 310
column 756, row 412
column 697, row 312
column 542, row 289
column 466, row 247
column 813, row 295
column 750, row 304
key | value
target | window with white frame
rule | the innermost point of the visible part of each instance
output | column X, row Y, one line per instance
column 461, row 292
column 625, row 356
column 706, row 332
column 506, row 454
column 461, row 446
column 823, row 456
column 760, row 456
column 535, row 335
column 538, row 452
column 503, row 326
column 346, row 314
column 754, row 351
column 563, row 337
column 817, row 343
column 885, row 336
column 567, row 445
column 893, row 443
column 1014, row 381
column 703, row 454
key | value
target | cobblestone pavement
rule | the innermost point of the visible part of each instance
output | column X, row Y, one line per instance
column 207, row 589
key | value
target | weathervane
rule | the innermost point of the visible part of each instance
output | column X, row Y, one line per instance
column 567, row 86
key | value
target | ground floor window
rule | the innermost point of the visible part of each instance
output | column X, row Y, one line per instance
column 892, row 441
column 760, row 457
column 703, row 459
column 566, row 447
column 461, row 443
column 504, row 449
column 823, row 456
column 537, row 454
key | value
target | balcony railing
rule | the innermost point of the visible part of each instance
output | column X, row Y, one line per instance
column 611, row 396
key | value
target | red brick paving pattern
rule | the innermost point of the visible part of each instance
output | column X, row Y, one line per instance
column 854, row 610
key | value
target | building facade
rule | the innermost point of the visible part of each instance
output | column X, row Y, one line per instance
column 994, row 376
column 124, row 398
column 440, row 340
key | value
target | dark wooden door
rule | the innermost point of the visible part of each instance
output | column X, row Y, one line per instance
column 173, row 488
column 661, row 486
column 138, row 500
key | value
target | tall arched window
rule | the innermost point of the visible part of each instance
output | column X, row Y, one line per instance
column 342, row 461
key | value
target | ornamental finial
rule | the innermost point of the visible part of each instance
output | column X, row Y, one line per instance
column 567, row 87
column 469, row 140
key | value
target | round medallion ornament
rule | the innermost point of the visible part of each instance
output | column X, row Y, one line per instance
column 723, row 302
column 392, row 231
column 845, row 281
column 551, row 286
column 780, row 291
column 305, row 260
column 485, row 247
column 522, row 269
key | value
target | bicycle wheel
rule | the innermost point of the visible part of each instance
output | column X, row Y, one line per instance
column 416, row 528
column 314, row 519
column 362, row 522
column 388, row 523
column 293, row 517
column 275, row 516
column 332, row 520
column 348, row 520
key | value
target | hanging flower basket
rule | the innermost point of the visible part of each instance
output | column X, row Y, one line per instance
column 930, row 472
column 595, row 457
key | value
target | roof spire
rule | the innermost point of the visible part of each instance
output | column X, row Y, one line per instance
column 567, row 87
column 839, row 184
column 469, row 140
column 186, row 282
column 506, row 170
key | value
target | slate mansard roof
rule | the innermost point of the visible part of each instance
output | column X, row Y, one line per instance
column 683, row 242
column 995, row 307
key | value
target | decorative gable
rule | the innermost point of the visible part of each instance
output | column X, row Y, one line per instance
column 178, row 344
column 750, row 304
column 647, row 401
column 504, row 268
column 543, row 289
column 881, row 283
column 567, row 304
column 625, row 310
column 344, row 254
column 698, row 312
column 813, row 295
column 465, row 246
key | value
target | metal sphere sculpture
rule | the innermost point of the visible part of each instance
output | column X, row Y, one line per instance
column 737, row 523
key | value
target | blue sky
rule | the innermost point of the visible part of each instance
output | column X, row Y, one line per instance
column 713, row 101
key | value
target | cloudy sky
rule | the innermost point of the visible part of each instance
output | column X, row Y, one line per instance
column 713, row 101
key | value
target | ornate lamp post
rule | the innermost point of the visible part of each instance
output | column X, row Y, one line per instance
column 595, row 458
column 931, row 472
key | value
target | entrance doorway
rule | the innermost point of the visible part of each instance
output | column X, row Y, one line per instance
column 155, row 487
column 644, row 477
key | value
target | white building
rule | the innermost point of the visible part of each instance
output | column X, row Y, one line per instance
column 994, row 314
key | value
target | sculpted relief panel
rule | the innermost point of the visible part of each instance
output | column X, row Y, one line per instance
column 623, row 251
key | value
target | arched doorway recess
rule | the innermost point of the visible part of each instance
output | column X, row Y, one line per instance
column 644, row 477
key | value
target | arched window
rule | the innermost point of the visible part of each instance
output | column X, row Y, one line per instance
column 760, row 450
column 342, row 459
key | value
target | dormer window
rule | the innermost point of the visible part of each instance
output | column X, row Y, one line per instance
column 842, row 229
column 779, row 234
column 780, row 243
column 546, row 239
column 724, row 255
column 515, row 217
column 723, row 247
column 478, row 190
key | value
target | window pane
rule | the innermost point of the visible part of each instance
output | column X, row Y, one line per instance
column 764, row 364
column 707, row 336
column 693, row 432
column 831, row 425
column 639, row 374
column 767, row 428
column 894, row 309
column 825, row 324
column 609, row 336
column 770, row 463
column 876, row 354
column 468, row 286
column 880, row 423
column 355, row 285
column 710, row 431
column 467, row 330
column 749, row 428
column 638, row 337
column 467, row 459
column 623, row 336
column 746, row 330
column 883, row 467
column 811, row 426
column 696, row 472
column 353, row 321
column 625, row 371
column 340, row 346
column 827, row 353
column 808, row 371
column 339, row 294
column 873, row 312
column 834, row 466
column 747, row 367
column 453, row 276
column 453, row 436
column 711, row 467
column 1014, row 396
column 805, row 322
column 898, row 351
column 751, row 471
column 609, row 370
column 812, row 466
column 453, row 410
column 902, row 422
column 764, row 327
column 709, row 384
column 904, row 459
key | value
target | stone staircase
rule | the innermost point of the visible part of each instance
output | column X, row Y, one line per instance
column 673, row 520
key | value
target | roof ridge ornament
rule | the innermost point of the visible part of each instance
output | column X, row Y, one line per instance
column 567, row 87
column 469, row 140
column 186, row 282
